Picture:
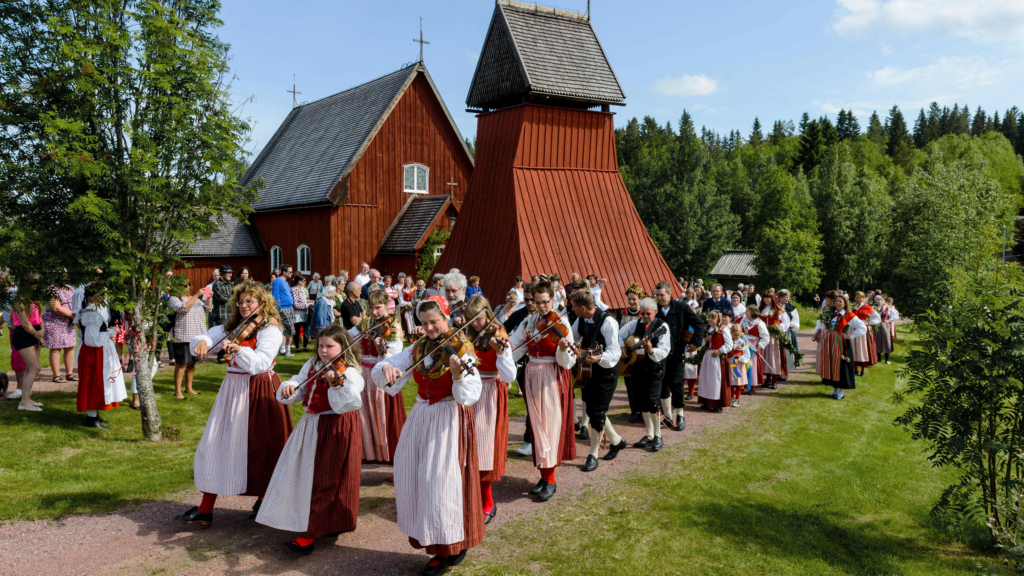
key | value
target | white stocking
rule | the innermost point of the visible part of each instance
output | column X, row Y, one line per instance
column 649, row 422
column 595, row 442
column 609, row 432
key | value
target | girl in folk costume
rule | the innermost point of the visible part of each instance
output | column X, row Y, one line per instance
column 756, row 333
column 837, row 328
column 548, row 394
column 497, row 369
column 437, row 482
column 737, row 361
column 774, row 315
column 247, row 427
column 381, row 416
column 883, row 336
column 691, row 371
column 634, row 294
column 864, row 353
column 315, row 487
column 713, row 384
column 101, row 382
column 828, row 304
column 405, row 298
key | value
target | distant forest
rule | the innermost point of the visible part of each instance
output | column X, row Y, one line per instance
column 825, row 204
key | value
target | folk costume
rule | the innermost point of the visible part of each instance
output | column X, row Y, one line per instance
column 713, row 385
column 315, row 486
column 600, row 330
column 649, row 375
column 756, row 332
column 773, row 353
column 836, row 360
column 247, row 428
column 690, row 371
column 405, row 302
column 887, row 315
column 680, row 319
column 864, row 352
column 382, row 416
column 625, row 316
column 549, row 399
column 737, row 363
column 490, row 413
column 437, row 481
column 101, row 381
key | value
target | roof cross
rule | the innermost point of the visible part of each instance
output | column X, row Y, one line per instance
column 450, row 184
column 421, row 41
column 293, row 92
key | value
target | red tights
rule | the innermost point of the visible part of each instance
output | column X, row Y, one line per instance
column 206, row 506
column 487, row 499
column 736, row 391
column 547, row 475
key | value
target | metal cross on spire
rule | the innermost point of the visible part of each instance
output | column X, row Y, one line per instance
column 421, row 40
column 293, row 92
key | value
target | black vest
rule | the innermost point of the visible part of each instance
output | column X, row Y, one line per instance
column 789, row 311
column 591, row 336
column 639, row 332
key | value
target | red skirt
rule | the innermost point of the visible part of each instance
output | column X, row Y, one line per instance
column 724, row 392
column 395, row 410
column 500, row 434
column 568, row 449
column 91, row 380
column 472, row 509
column 334, row 504
column 270, row 423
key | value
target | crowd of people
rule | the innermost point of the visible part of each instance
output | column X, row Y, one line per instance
column 558, row 343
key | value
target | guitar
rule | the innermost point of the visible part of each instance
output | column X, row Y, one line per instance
column 582, row 371
column 633, row 344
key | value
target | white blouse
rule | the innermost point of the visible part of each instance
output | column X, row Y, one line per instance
column 254, row 361
column 762, row 331
column 528, row 329
column 341, row 398
column 857, row 328
column 466, row 391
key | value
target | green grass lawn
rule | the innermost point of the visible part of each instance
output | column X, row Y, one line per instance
column 50, row 465
column 803, row 485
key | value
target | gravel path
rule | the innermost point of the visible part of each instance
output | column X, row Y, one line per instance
column 147, row 540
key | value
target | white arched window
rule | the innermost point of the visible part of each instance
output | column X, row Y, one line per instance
column 276, row 258
column 303, row 259
column 416, row 178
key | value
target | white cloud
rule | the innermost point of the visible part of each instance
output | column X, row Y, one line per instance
column 703, row 108
column 685, row 85
column 979, row 20
column 864, row 109
column 952, row 71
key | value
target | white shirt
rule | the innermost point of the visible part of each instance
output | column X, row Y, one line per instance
column 465, row 391
column 361, row 279
column 78, row 299
column 393, row 347
column 342, row 399
column 874, row 318
column 527, row 329
column 610, row 332
column 763, row 338
column 520, row 299
column 857, row 328
column 596, row 291
column 794, row 321
column 660, row 352
column 254, row 361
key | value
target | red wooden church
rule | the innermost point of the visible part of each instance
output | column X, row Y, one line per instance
column 546, row 195
column 364, row 175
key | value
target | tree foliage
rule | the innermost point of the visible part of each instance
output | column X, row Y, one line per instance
column 786, row 256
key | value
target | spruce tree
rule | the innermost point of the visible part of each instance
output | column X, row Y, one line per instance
column 841, row 124
column 944, row 122
column 852, row 125
column 898, row 134
column 756, row 137
column 980, row 120
column 778, row 132
column 1009, row 128
column 805, row 120
column 934, row 128
column 876, row 132
column 995, row 125
column 686, row 125
column 829, row 134
column 919, row 130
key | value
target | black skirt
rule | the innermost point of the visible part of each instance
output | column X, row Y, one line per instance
column 847, row 372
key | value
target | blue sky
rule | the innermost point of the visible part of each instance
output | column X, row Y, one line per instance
column 725, row 62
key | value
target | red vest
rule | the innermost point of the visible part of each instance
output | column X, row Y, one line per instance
column 433, row 389
column 754, row 331
column 368, row 347
column 717, row 341
column 250, row 343
column 772, row 320
column 316, row 401
column 542, row 347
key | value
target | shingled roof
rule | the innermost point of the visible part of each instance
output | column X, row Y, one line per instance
column 318, row 143
column 408, row 231
column 234, row 238
column 541, row 51
column 735, row 264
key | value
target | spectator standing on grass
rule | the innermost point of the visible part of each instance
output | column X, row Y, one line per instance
column 59, row 327
column 323, row 311
column 596, row 285
column 315, row 286
column 17, row 364
column 351, row 308
column 364, row 275
column 392, row 292
column 474, row 288
column 301, row 307
column 188, row 324
column 27, row 341
column 222, row 290
column 374, row 281
column 282, row 293
column 243, row 275
column 101, row 386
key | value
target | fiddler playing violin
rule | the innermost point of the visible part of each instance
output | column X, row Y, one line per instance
column 439, row 441
column 326, row 447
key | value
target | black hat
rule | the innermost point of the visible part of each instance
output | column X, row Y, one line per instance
column 226, row 269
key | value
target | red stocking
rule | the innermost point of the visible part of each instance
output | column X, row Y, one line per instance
column 487, row 499
column 547, row 475
column 303, row 541
column 206, row 506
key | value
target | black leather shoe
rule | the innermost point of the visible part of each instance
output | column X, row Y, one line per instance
column 719, row 409
column 456, row 559
column 688, row 396
column 193, row 516
column 436, row 565
column 680, row 423
column 536, row 489
column 94, row 422
column 577, row 426
column 658, row 444
column 295, row 547
column 590, row 465
column 101, row 419
column 134, row 407
column 584, row 434
column 662, row 424
column 667, row 422
column 490, row 515
column 783, row 378
column 642, row 443
column 635, row 417
column 547, row 492
column 613, row 451
column 773, row 386
column 255, row 509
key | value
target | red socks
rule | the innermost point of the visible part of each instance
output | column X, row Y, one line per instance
column 547, row 475
column 692, row 385
column 206, row 506
column 486, row 497
column 303, row 541
column 736, row 390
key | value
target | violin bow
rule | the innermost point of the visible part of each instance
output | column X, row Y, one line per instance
column 439, row 346
column 541, row 333
column 341, row 354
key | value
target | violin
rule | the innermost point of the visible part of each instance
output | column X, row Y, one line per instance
column 551, row 327
column 454, row 345
column 489, row 337
column 383, row 327
column 246, row 328
column 335, row 375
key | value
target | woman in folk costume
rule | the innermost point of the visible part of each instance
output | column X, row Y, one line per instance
column 437, row 481
column 837, row 328
column 883, row 336
column 737, row 362
column 892, row 327
column 101, row 382
column 864, row 352
column 830, row 298
column 247, row 427
column 381, row 416
column 315, row 487
column 405, row 299
column 738, row 309
column 756, row 333
column 774, row 315
column 548, row 394
column 713, row 386
column 691, row 372
column 497, row 370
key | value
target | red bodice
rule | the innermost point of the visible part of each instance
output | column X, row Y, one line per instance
column 369, row 348
column 717, row 341
column 542, row 347
column 433, row 389
column 316, row 400
column 250, row 343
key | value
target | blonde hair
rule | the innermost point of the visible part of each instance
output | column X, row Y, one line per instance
column 335, row 332
column 474, row 306
column 257, row 293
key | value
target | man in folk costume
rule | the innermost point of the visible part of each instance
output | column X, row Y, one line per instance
column 865, row 353
column 497, row 369
column 381, row 416
column 793, row 326
column 649, row 368
column 774, row 315
column 634, row 294
column 548, row 395
column 756, row 333
column 883, row 336
column 315, row 487
column 686, row 329
column 101, row 382
column 837, row 327
column 713, row 386
column 248, row 427
column 437, row 482
column 597, row 333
